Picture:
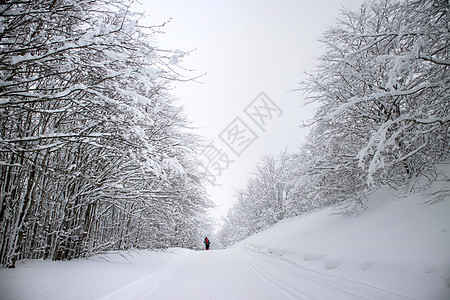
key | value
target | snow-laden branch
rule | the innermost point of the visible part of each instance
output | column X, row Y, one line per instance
column 434, row 59
column 378, row 95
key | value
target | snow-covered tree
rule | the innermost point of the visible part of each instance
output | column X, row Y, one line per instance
column 265, row 199
column 382, row 89
column 94, row 155
column 382, row 86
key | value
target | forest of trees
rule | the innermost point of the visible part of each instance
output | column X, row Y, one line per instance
column 382, row 88
column 94, row 154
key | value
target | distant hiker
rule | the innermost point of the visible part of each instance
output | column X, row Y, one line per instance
column 207, row 243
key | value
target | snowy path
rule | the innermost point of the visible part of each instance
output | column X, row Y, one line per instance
column 240, row 273
column 394, row 250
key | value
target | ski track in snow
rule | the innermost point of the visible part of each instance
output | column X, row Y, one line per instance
column 242, row 273
column 277, row 283
column 301, row 278
column 142, row 288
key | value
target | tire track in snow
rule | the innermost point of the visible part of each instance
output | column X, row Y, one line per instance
column 143, row 287
column 282, row 286
column 352, row 289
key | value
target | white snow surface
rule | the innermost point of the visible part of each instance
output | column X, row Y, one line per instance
column 399, row 248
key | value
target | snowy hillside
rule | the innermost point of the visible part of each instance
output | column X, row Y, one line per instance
column 398, row 244
column 396, row 249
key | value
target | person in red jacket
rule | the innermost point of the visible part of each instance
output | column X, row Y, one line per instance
column 207, row 243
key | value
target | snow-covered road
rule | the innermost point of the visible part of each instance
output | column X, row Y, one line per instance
column 394, row 250
column 240, row 273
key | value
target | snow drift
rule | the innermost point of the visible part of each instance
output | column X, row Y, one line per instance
column 398, row 244
column 396, row 249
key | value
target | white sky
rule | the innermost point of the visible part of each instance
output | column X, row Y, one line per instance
column 245, row 47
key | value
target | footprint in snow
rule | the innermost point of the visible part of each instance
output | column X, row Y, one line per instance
column 331, row 264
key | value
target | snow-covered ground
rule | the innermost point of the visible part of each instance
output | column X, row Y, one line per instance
column 399, row 244
column 397, row 249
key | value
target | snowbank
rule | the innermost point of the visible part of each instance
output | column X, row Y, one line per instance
column 79, row 278
column 398, row 247
column 398, row 244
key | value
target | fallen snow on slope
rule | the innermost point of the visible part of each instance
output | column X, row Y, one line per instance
column 396, row 249
column 398, row 244
column 79, row 278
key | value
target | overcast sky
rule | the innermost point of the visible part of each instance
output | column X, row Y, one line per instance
column 245, row 47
